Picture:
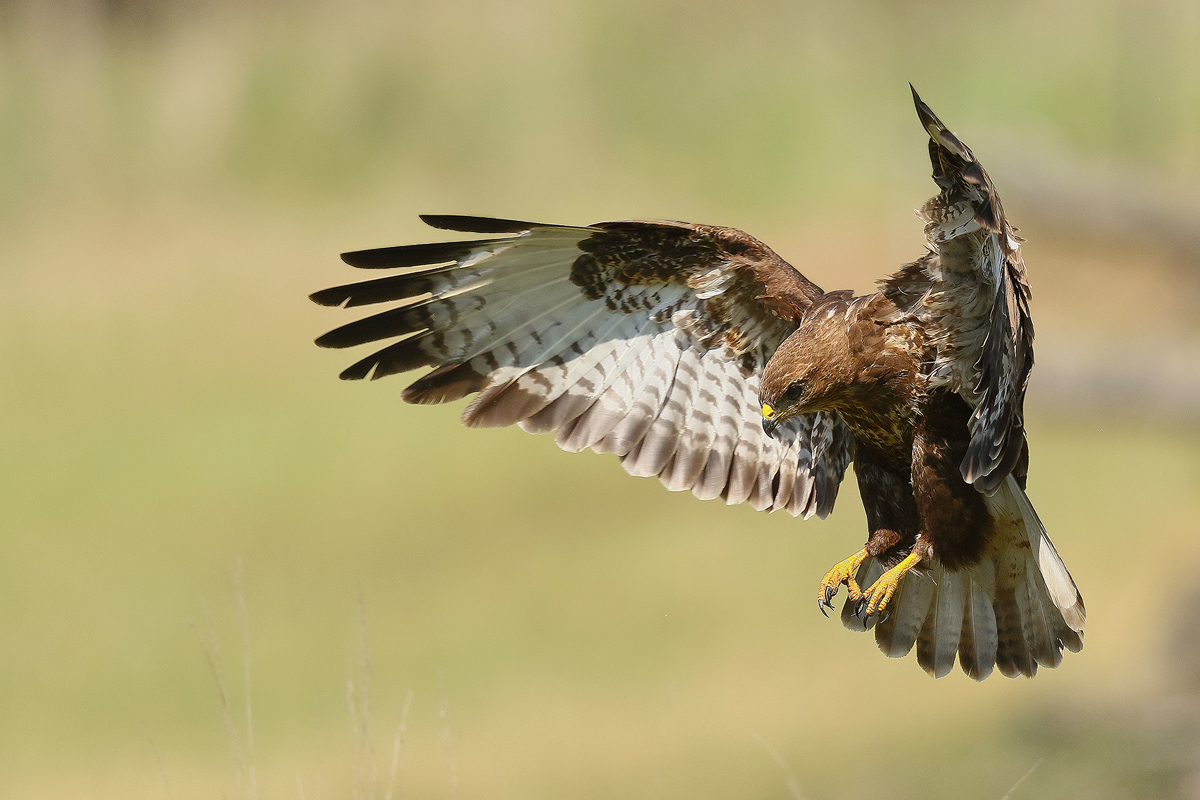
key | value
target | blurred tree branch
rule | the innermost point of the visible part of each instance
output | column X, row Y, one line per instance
column 1104, row 201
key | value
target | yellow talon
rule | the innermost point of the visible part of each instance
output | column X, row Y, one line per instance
column 881, row 591
column 842, row 572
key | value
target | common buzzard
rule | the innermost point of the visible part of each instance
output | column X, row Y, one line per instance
column 698, row 355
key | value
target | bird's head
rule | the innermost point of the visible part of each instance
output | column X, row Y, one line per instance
column 781, row 404
column 812, row 370
column 790, row 383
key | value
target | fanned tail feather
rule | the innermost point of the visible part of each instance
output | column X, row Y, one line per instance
column 1015, row 610
column 977, row 647
column 939, row 637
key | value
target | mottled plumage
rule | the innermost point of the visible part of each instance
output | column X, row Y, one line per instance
column 698, row 355
column 644, row 339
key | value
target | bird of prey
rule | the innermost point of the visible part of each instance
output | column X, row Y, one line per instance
column 698, row 355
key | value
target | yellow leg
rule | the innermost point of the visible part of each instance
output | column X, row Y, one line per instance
column 881, row 591
column 842, row 572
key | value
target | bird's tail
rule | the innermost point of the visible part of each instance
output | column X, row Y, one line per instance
column 1015, row 609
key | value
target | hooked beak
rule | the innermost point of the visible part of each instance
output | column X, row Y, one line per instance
column 770, row 419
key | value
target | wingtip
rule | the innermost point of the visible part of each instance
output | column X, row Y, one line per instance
column 327, row 297
column 929, row 120
column 937, row 130
column 469, row 224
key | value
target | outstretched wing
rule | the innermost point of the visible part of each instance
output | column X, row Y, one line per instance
column 971, row 293
column 644, row 339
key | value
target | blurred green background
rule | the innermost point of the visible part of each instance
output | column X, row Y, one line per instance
column 225, row 573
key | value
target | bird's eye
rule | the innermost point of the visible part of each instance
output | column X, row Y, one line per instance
column 792, row 392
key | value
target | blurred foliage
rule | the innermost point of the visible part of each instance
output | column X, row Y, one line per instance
column 179, row 175
column 742, row 104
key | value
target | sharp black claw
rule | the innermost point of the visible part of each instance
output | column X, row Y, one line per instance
column 860, row 608
column 821, row 608
column 887, row 615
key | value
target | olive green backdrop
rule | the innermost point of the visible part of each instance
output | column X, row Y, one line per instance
column 223, row 573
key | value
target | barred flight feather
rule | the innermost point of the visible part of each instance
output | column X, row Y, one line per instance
column 593, row 334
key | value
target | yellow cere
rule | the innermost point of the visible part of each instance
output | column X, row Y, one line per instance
column 767, row 411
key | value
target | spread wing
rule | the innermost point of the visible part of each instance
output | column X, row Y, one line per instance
column 971, row 293
column 644, row 339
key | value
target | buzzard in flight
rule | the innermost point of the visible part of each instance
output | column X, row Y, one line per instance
column 698, row 355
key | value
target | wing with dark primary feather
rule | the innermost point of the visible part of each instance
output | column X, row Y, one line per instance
column 971, row 293
column 644, row 339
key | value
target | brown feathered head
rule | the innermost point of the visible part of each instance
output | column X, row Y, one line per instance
column 791, row 383
column 815, row 369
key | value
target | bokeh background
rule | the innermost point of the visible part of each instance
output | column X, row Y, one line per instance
column 224, row 573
